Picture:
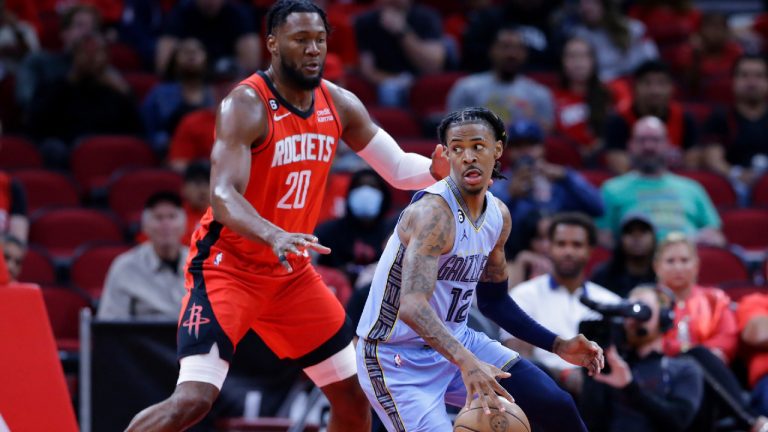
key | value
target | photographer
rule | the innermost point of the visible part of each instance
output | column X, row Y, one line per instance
column 645, row 391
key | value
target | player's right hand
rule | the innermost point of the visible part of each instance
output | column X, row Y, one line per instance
column 481, row 379
column 284, row 243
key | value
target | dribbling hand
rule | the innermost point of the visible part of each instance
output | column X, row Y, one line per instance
column 580, row 351
column 284, row 243
column 481, row 379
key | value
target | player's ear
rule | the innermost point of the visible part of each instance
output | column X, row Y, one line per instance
column 498, row 150
column 272, row 44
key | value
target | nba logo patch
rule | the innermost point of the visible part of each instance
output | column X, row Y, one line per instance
column 398, row 360
column 273, row 104
column 217, row 260
column 461, row 216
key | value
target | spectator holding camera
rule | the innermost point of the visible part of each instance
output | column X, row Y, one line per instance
column 534, row 184
column 646, row 390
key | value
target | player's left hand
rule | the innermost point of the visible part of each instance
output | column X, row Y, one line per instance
column 441, row 166
column 581, row 352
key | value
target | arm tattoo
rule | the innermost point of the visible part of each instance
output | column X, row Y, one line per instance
column 496, row 268
column 429, row 225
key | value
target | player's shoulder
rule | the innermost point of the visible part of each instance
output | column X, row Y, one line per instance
column 428, row 205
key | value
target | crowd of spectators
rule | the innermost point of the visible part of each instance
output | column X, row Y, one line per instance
column 609, row 114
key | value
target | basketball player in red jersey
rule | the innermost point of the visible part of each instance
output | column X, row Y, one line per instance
column 248, row 268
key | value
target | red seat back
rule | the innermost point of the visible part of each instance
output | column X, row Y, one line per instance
column 760, row 192
column 599, row 256
column 63, row 306
column 596, row 177
column 718, row 187
column 97, row 157
column 128, row 193
column 47, row 189
column 141, row 83
column 90, row 266
column 429, row 92
column 719, row 266
column 18, row 152
column 397, row 122
column 61, row 231
column 37, row 267
column 747, row 228
column 561, row 151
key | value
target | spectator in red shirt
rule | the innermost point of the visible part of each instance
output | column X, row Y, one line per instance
column 752, row 315
column 193, row 139
column 667, row 21
column 581, row 101
column 710, row 54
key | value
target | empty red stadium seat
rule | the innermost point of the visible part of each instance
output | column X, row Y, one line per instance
column 561, row 151
column 738, row 291
column 90, row 266
column 364, row 90
column 747, row 228
column 64, row 307
column 718, row 187
column 47, row 189
column 128, row 192
column 37, row 267
column 141, row 83
column 429, row 92
column 18, row 152
column 719, row 266
column 61, row 231
column 397, row 122
column 97, row 157
column 124, row 57
column 596, row 177
column 760, row 192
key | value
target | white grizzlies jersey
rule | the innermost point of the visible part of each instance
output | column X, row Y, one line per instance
column 457, row 276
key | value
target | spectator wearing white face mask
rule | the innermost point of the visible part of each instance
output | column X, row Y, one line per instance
column 358, row 237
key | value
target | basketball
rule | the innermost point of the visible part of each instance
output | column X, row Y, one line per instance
column 473, row 419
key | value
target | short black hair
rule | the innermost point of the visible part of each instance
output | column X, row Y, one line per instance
column 649, row 67
column 746, row 58
column 574, row 219
column 279, row 11
column 198, row 171
column 475, row 115
column 163, row 197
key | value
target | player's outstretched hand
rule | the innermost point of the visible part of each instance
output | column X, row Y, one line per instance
column 481, row 379
column 581, row 352
column 621, row 374
column 441, row 166
column 285, row 243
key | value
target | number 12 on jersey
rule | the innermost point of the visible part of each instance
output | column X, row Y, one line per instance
column 459, row 315
column 298, row 183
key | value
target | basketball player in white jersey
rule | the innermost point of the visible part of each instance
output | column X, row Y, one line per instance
column 415, row 351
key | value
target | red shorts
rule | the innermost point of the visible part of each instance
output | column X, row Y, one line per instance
column 296, row 314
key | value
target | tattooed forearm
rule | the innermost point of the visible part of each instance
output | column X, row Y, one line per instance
column 426, row 323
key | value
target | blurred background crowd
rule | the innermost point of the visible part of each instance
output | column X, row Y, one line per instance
column 634, row 124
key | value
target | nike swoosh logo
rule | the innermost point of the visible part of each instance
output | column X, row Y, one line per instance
column 278, row 118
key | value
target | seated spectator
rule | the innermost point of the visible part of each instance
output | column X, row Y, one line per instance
column 620, row 43
column 704, row 329
column 14, row 251
column 702, row 315
column 646, row 390
column 504, row 89
column 398, row 40
column 196, row 195
column 532, row 183
column 736, row 138
column 86, row 101
column 672, row 202
column 527, row 257
column 531, row 17
column 147, row 282
column 13, row 208
column 632, row 261
column 652, row 96
column 40, row 69
column 553, row 299
column 193, row 139
column 184, row 90
column 17, row 39
column 226, row 29
column 358, row 238
column 752, row 316
column 581, row 101
column 710, row 54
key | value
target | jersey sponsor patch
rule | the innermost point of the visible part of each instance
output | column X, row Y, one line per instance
column 324, row 115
